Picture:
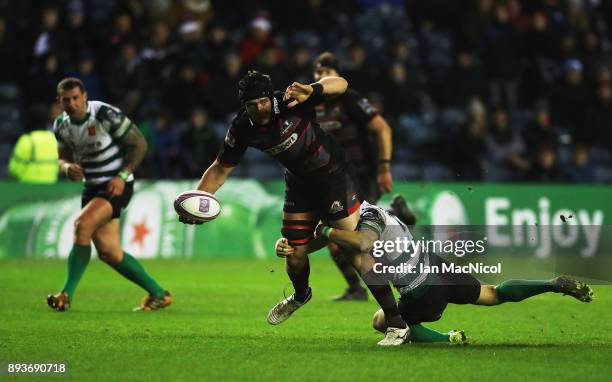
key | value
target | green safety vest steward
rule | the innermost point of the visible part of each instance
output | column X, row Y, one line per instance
column 35, row 158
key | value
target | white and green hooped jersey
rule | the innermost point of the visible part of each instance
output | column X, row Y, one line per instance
column 389, row 228
column 95, row 141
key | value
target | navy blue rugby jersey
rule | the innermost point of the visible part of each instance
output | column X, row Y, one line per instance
column 293, row 138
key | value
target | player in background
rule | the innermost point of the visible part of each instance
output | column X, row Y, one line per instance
column 354, row 122
column 99, row 145
column 319, row 182
column 424, row 296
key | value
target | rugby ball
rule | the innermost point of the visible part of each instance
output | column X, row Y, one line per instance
column 197, row 205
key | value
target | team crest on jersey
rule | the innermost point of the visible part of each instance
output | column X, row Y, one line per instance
column 91, row 130
column 113, row 116
column 336, row 207
column 366, row 106
column 286, row 126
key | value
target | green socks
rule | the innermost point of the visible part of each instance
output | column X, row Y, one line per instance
column 518, row 290
column 419, row 333
column 131, row 269
column 77, row 262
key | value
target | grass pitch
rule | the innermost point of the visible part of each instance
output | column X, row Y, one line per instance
column 216, row 330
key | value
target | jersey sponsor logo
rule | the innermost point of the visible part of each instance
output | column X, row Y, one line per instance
column 330, row 126
column 93, row 145
column 230, row 140
column 336, row 207
column 284, row 145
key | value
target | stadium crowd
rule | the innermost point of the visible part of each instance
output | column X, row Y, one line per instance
column 497, row 90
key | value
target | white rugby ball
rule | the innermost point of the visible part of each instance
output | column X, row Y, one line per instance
column 197, row 205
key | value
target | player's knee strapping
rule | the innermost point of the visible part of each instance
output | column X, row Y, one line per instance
column 298, row 232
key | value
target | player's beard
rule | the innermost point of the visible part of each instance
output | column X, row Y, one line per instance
column 262, row 119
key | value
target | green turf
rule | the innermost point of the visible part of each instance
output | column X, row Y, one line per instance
column 216, row 330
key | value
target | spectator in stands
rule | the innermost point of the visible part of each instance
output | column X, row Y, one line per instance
column 159, row 54
column 469, row 146
column 401, row 93
column 42, row 83
column 598, row 127
column 500, row 59
column 199, row 145
column 88, row 73
column 122, row 30
column 126, row 76
column 165, row 153
column 49, row 38
column 538, row 49
column 218, row 45
column 270, row 61
column 77, row 36
column 464, row 81
column 357, row 71
column 546, row 168
column 505, row 147
column 299, row 68
column 11, row 54
column 192, row 45
column 477, row 18
column 580, row 169
column 185, row 92
column 540, row 130
column 402, row 53
column 593, row 57
column 256, row 41
column 569, row 98
column 223, row 98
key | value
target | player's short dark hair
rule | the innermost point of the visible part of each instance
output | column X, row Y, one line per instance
column 327, row 60
column 70, row 83
column 255, row 85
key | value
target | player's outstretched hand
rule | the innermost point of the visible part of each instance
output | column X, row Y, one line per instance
column 298, row 93
column 282, row 248
column 115, row 187
column 189, row 221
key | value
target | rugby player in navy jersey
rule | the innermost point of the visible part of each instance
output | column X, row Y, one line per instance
column 319, row 180
column 366, row 138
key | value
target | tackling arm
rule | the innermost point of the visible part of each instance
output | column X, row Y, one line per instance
column 352, row 241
